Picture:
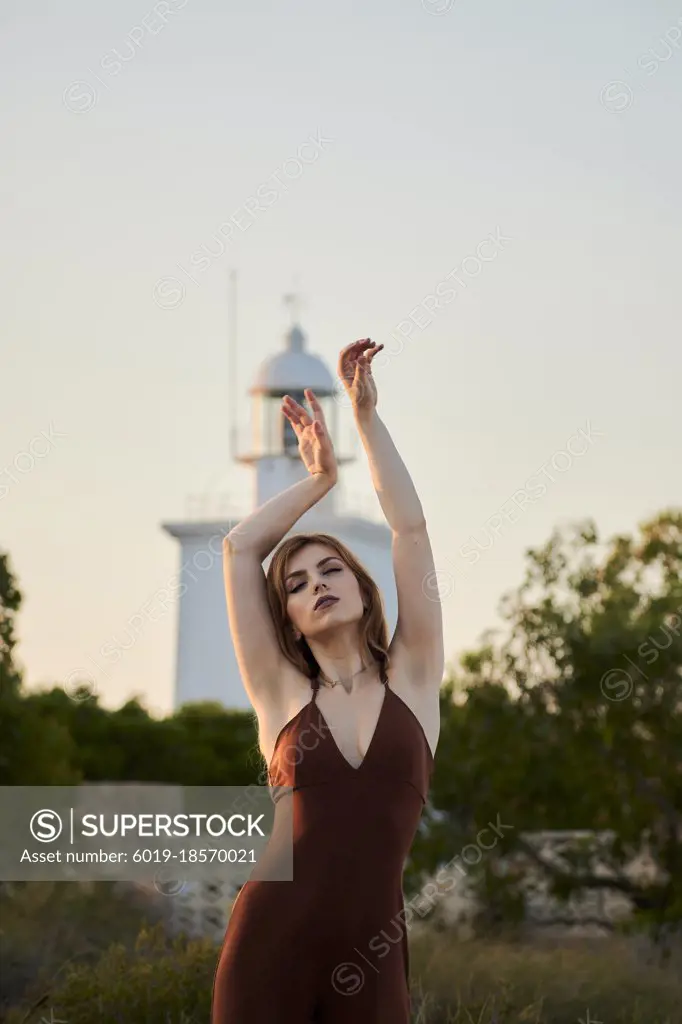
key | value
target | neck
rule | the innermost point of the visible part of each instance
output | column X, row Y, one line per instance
column 340, row 660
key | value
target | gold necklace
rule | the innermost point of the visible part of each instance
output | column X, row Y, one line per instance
column 334, row 682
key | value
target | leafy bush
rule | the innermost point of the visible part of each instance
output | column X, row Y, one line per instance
column 159, row 981
column 46, row 926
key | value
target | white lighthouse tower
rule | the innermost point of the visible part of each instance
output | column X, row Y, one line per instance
column 206, row 666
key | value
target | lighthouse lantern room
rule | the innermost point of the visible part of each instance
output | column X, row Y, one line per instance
column 274, row 451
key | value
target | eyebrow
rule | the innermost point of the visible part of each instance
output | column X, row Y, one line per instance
column 302, row 572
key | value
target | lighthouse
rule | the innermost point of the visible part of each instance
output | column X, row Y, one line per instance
column 206, row 665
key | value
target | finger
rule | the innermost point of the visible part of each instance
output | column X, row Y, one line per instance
column 359, row 347
column 321, row 436
column 318, row 412
column 346, row 359
column 369, row 355
column 296, row 427
column 293, row 404
column 296, row 411
column 350, row 352
column 351, row 360
column 293, row 419
column 354, row 344
column 312, row 399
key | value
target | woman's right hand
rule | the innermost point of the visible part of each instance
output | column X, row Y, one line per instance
column 314, row 443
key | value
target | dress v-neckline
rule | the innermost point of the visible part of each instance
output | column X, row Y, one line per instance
column 343, row 757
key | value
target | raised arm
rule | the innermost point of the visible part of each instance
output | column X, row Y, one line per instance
column 248, row 544
column 419, row 630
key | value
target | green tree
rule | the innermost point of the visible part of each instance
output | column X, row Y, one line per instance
column 10, row 600
column 571, row 720
column 199, row 745
column 33, row 748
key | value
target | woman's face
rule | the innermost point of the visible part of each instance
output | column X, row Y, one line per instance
column 315, row 572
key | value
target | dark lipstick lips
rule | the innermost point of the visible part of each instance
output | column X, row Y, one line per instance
column 326, row 597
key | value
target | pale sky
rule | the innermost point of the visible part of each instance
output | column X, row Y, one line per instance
column 128, row 140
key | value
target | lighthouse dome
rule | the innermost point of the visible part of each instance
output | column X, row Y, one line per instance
column 293, row 370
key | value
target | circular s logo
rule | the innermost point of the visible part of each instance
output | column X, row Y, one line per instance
column 79, row 97
column 168, row 292
column 46, row 826
column 617, row 684
column 617, row 97
column 347, row 979
column 167, row 884
column 438, row 584
column 438, row 7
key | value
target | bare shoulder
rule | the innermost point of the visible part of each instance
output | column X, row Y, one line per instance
column 278, row 705
column 421, row 695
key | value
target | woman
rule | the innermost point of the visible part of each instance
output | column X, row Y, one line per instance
column 348, row 724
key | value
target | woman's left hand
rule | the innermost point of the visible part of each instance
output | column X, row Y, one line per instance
column 314, row 443
column 355, row 371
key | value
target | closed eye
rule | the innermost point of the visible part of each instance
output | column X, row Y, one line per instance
column 335, row 568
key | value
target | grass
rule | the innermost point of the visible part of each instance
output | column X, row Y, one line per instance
column 490, row 983
column 89, row 960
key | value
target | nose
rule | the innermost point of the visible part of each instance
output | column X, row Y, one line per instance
column 320, row 583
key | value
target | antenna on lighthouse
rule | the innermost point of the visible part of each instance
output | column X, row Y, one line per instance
column 292, row 300
column 232, row 362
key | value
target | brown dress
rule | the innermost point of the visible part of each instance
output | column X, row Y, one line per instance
column 330, row 947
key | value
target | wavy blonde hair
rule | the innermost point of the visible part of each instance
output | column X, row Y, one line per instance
column 373, row 628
